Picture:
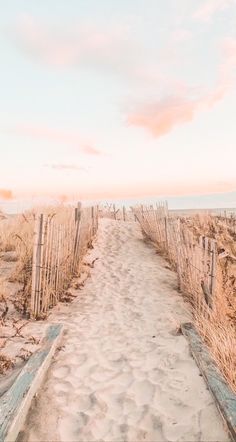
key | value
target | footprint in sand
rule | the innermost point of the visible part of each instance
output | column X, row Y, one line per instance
column 69, row 427
column 76, row 359
column 139, row 375
column 83, row 402
column 142, row 392
column 112, row 381
column 61, row 372
column 62, row 387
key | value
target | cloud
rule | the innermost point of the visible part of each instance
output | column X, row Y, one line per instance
column 65, row 167
column 210, row 7
column 59, row 46
column 6, row 194
column 110, row 47
column 227, row 69
column 91, row 150
column 180, row 35
column 43, row 133
column 161, row 116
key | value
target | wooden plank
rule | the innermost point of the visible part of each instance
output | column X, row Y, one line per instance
column 93, row 221
column 15, row 403
column 124, row 213
column 224, row 397
column 40, row 265
column 77, row 237
column 114, row 211
column 166, row 235
column 213, row 265
column 37, row 267
column 34, row 263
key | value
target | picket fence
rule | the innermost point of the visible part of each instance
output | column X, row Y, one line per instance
column 59, row 246
column 194, row 259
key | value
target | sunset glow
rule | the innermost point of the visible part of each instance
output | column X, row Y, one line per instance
column 117, row 100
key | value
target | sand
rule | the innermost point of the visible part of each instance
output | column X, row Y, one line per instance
column 122, row 372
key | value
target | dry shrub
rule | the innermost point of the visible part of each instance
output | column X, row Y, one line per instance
column 5, row 363
column 9, row 257
column 3, row 301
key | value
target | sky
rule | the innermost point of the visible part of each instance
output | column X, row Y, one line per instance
column 118, row 100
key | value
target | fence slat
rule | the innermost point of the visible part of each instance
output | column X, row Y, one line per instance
column 37, row 266
column 59, row 245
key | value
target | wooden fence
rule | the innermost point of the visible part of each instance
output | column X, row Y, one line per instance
column 111, row 211
column 229, row 221
column 194, row 259
column 59, row 246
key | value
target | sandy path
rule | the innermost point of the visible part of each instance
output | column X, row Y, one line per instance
column 123, row 374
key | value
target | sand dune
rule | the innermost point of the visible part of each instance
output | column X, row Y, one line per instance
column 122, row 373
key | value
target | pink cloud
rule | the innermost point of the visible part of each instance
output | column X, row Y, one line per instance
column 6, row 194
column 61, row 46
column 41, row 133
column 65, row 167
column 161, row 116
column 91, row 150
column 227, row 71
column 210, row 8
column 228, row 66
column 110, row 46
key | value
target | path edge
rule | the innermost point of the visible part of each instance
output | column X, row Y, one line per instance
column 224, row 397
column 22, row 412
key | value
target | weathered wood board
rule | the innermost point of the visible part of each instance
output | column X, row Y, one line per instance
column 224, row 397
column 15, row 403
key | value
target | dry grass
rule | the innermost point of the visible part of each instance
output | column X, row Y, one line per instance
column 16, row 247
column 16, row 242
column 60, row 264
column 5, row 363
column 218, row 325
column 215, row 228
column 215, row 321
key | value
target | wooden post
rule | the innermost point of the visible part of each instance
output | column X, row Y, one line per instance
column 77, row 236
column 37, row 267
column 46, row 269
column 166, row 233
column 97, row 217
column 213, row 265
column 76, row 213
column 142, row 211
column 114, row 211
column 124, row 213
column 178, row 249
column 166, row 208
column 58, row 275
column 93, row 222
